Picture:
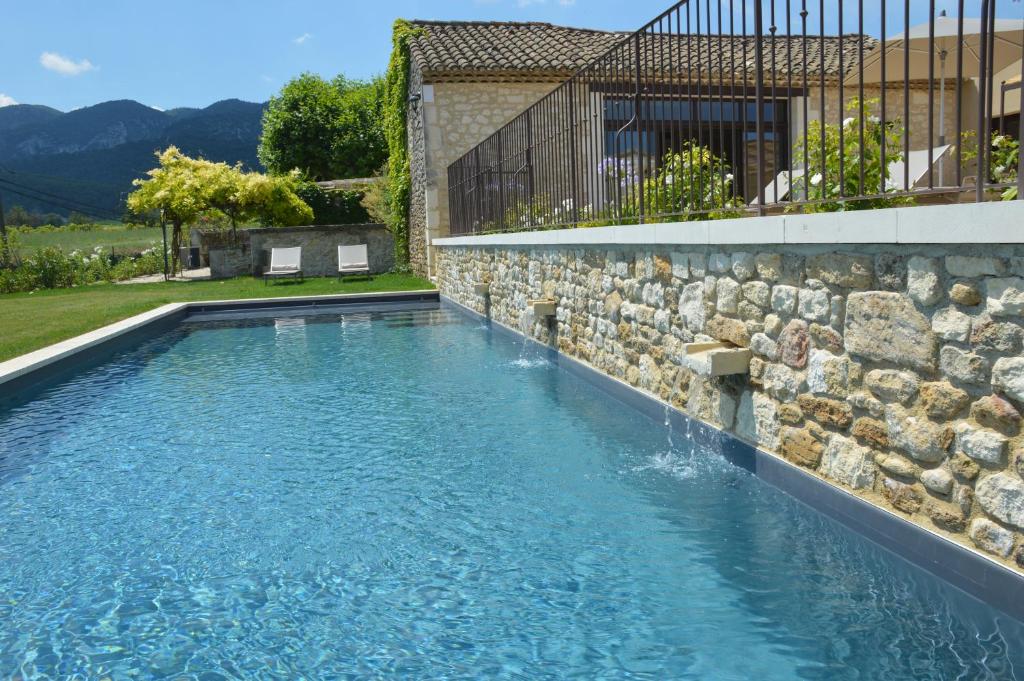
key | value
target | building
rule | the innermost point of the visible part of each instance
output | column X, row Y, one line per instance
column 468, row 79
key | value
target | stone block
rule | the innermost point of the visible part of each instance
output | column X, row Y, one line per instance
column 813, row 305
column 794, row 344
column 728, row 295
column 730, row 330
column 918, row 437
column 871, row 432
column 840, row 269
column 890, row 385
column 757, row 420
column 784, row 299
column 990, row 537
column 1002, row 497
column 950, row 323
column 963, row 293
column 769, row 266
column 993, row 411
column 764, row 346
column 1008, row 376
column 781, row 382
column 970, row 266
column 980, row 444
column 744, row 266
column 963, row 366
column 802, row 446
column 888, row 327
column 891, row 271
column 826, row 411
column 923, row 283
column 902, row 496
column 938, row 480
column 758, row 293
column 896, row 465
column 1004, row 296
column 849, row 463
column 828, row 374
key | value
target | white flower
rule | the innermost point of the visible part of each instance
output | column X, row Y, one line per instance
column 847, row 121
column 728, row 176
column 816, row 179
column 873, row 119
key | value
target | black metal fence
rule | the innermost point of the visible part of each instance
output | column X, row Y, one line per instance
column 722, row 108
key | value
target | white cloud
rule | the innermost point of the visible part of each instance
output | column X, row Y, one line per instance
column 302, row 38
column 6, row 101
column 527, row 3
column 63, row 65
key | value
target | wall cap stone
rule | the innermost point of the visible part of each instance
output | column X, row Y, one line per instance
column 965, row 223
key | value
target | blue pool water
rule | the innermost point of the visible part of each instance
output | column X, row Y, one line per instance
column 409, row 495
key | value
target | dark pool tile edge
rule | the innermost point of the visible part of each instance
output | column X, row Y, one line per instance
column 968, row 570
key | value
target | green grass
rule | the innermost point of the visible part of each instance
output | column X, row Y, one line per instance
column 29, row 321
column 116, row 236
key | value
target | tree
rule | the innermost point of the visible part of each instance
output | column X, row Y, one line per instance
column 175, row 189
column 184, row 188
column 325, row 129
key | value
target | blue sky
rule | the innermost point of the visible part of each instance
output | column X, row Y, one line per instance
column 73, row 53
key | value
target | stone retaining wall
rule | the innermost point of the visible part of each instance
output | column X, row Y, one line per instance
column 894, row 371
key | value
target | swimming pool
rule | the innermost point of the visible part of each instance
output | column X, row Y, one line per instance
column 411, row 494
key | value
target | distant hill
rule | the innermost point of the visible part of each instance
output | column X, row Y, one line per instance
column 90, row 156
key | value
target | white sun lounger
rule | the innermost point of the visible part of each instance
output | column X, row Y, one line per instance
column 353, row 260
column 917, row 172
column 284, row 262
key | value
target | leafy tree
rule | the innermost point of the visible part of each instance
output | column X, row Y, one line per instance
column 176, row 190
column 325, row 129
column 185, row 189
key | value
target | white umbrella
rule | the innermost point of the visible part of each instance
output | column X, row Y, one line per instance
column 1005, row 47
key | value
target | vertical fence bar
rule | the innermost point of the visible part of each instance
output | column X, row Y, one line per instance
column 759, row 100
column 883, row 167
column 931, row 93
column 639, row 137
column 906, row 95
column 983, row 92
column 959, row 94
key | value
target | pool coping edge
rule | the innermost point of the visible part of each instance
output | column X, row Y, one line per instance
column 23, row 366
column 967, row 569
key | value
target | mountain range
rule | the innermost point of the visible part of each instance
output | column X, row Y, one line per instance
column 87, row 158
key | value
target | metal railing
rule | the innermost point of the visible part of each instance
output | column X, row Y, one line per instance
column 722, row 108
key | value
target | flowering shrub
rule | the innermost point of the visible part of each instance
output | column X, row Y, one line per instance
column 692, row 184
column 1004, row 163
column 51, row 268
column 821, row 180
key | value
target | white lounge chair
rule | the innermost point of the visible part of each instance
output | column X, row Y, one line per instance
column 284, row 262
column 353, row 260
column 917, row 173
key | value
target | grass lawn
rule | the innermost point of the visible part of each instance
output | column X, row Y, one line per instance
column 29, row 321
column 116, row 236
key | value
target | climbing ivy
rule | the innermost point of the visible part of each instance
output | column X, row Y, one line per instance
column 396, row 102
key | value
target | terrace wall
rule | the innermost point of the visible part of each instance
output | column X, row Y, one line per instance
column 890, row 365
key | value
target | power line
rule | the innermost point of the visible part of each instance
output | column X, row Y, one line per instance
column 55, row 199
column 60, row 202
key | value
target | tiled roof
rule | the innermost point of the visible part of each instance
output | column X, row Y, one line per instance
column 506, row 51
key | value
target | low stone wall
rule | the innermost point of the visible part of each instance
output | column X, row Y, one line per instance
column 320, row 246
column 893, row 371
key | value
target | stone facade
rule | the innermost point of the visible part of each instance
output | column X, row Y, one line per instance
column 894, row 372
column 449, row 119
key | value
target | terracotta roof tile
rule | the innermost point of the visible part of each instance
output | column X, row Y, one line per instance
column 507, row 51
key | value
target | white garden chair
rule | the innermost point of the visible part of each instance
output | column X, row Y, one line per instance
column 353, row 260
column 284, row 262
